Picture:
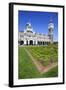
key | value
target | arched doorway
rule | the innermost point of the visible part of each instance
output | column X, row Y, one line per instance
column 26, row 42
column 38, row 43
column 31, row 42
column 43, row 43
column 21, row 42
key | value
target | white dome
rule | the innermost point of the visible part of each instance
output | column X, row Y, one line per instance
column 28, row 27
column 28, row 24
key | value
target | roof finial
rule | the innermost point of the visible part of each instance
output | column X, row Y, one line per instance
column 51, row 19
column 29, row 20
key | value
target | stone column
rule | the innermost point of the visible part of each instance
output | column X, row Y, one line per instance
column 42, row 42
column 36, row 42
column 24, row 42
column 28, row 42
column 33, row 42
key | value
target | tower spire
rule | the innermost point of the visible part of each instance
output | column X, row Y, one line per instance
column 51, row 28
column 51, row 20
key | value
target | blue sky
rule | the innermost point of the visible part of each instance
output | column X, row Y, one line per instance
column 39, row 21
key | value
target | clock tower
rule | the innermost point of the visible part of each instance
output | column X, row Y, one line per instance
column 51, row 28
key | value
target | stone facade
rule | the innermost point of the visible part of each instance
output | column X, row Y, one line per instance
column 28, row 37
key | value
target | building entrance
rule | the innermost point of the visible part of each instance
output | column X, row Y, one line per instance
column 21, row 42
column 31, row 42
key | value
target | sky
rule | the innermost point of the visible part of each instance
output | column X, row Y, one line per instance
column 39, row 21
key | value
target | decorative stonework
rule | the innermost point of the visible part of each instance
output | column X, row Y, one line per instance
column 28, row 37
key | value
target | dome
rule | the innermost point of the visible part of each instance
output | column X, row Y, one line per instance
column 28, row 24
column 28, row 27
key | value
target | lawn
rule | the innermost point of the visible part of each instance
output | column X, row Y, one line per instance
column 44, row 54
column 27, row 69
column 51, row 73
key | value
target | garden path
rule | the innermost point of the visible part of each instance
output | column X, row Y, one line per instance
column 39, row 66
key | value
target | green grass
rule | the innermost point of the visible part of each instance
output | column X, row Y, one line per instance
column 44, row 53
column 27, row 69
column 52, row 72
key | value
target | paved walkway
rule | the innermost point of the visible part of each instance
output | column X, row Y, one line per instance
column 39, row 66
